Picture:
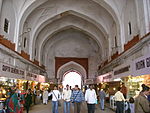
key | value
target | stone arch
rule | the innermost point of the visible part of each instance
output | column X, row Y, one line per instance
column 71, row 66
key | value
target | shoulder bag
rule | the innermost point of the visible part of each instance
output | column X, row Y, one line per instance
column 59, row 104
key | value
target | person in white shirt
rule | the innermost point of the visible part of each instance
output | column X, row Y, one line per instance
column 66, row 98
column 119, row 98
column 90, row 98
column 45, row 96
column 55, row 97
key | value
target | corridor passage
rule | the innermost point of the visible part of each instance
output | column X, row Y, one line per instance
column 47, row 109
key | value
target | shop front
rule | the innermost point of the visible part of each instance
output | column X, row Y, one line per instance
column 106, row 83
column 122, row 74
column 22, row 79
column 140, row 75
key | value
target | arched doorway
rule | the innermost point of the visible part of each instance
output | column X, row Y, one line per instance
column 72, row 78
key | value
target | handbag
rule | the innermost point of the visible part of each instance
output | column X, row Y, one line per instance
column 96, row 101
column 59, row 103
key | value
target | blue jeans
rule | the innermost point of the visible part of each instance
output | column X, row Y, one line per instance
column 102, row 104
column 66, row 107
column 54, row 106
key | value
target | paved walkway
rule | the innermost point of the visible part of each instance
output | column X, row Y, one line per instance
column 48, row 109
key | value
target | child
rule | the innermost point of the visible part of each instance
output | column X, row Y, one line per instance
column 130, row 104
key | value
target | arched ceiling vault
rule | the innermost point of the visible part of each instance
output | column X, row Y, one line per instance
column 66, row 22
column 47, row 44
column 30, row 7
column 46, row 17
column 68, row 13
column 42, row 14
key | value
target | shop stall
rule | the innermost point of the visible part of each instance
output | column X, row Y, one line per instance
column 134, row 84
column 106, row 83
column 140, row 75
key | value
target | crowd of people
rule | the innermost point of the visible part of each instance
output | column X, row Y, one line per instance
column 16, row 102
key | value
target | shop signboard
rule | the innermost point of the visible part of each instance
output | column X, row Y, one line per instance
column 53, row 81
column 10, row 71
column 122, row 70
column 35, row 77
column 89, row 81
column 141, row 66
column 31, row 76
column 41, row 78
column 107, row 77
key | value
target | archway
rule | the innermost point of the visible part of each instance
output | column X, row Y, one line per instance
column 72, row 78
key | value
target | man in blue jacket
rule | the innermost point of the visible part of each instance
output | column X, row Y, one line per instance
column 77, row 98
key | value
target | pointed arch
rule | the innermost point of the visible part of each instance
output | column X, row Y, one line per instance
column 70, row 66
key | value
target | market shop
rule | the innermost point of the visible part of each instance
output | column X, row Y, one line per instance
column 106, row 83
column 140, row 75
column 22, row 79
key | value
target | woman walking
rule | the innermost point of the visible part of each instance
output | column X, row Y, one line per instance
column 28, row 100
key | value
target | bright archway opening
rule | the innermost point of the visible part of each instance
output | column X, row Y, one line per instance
column 72, row 78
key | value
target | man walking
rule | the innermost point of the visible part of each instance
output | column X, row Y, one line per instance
column 90, row 98
column 119, row 98
column 55, row 98
column 66, row 98
column 77, row 98
column 102, row 96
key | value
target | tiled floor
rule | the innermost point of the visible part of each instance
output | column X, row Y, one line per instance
column 48, row 109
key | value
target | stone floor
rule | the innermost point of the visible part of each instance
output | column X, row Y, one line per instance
column 48, row 109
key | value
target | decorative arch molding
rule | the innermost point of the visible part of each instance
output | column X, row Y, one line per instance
column 65, row 28
column 79, row 64
column 69, row 67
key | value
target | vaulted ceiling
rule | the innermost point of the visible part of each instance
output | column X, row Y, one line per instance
column 69, row 28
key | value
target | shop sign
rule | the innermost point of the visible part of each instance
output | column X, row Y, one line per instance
column 122, row 71
column 89, row 81
column 10, row 71
column 105, row 77
column 141, row 66
column 32, row 76
column 41, row 78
